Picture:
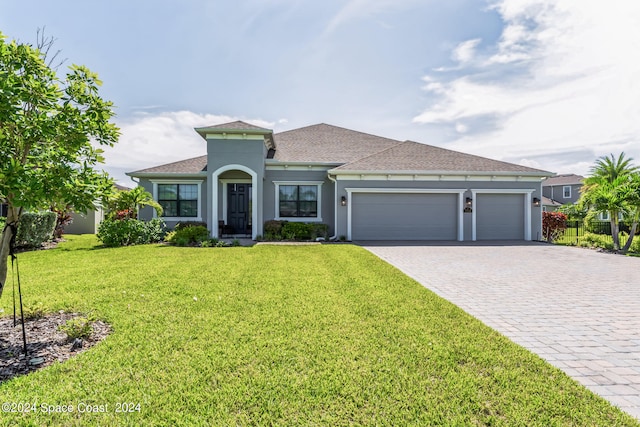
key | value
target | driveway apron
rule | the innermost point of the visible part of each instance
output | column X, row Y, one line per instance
column 577, row 308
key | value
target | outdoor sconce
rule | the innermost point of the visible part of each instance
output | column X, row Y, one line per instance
column 343, row 201
column 536, row 202
column 467, row 205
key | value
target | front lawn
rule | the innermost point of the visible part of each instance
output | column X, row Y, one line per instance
column 279, row 335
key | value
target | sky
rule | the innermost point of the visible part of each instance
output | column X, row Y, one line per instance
column 551, row 84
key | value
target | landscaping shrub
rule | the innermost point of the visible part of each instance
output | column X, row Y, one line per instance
column 79, row 327
column 184, row 224
column 296, row 231
column 553, row 225
column 593, row 240
column 273, row 229
column 319, row 230
column 278, row 230
column 188, row 235
column 3, row 220
column 35, row 228
column 131, row 232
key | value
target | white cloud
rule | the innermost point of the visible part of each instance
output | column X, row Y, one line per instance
column 563, row 76
column 465, row 51
column 153, row 139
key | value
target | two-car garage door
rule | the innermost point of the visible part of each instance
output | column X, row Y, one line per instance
column 434, row 216
column 399, row 216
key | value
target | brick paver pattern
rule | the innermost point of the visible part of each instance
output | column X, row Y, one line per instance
column 577, row 308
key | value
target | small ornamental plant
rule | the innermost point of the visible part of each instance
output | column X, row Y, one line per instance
column 553, row 225
column 78, row 327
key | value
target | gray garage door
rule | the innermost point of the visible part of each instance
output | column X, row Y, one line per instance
column 404, row 216
column 499, row 216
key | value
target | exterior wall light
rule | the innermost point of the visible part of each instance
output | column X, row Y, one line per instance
column 343, row 201
column 467, row 205
column 536, row 202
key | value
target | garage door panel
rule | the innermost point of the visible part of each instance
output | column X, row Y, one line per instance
column 500, row 217
column 404, row 216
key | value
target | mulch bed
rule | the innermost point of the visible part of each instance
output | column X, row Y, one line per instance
column 45, row 343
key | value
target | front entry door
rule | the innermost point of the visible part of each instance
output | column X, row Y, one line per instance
column 239, row 208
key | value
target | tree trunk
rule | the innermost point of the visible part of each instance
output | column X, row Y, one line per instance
column 13, row 216
column 632, row 232
column 614, row 230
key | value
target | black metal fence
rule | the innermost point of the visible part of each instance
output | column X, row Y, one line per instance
column 576, row 230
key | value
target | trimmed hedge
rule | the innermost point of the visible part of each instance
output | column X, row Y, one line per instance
column 188, row 235
column 35, row 228
column 131, row 232
column 278, row 230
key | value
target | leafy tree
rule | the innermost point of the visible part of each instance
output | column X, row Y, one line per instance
column 50, row 127
column 132, row 200
column 611, row 189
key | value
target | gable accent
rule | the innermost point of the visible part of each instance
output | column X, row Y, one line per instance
column 213, row 224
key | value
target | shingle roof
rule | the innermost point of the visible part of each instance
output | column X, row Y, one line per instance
column 566, row 179
column 193, row 165
column 353, row 151
column 413, row 156
column 327, row 143
column 550, row 202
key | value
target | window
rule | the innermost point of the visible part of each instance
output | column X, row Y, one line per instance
column 298, row 200
column 178, row 200
column 566, row 191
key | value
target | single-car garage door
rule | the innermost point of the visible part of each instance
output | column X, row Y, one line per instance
column 392, row 216
column 499, row 216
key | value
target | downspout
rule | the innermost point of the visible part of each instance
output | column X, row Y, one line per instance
column 335, row 207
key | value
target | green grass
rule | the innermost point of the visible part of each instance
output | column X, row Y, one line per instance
column 279, row 335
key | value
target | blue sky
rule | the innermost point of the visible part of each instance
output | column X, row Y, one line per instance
column 552, row 84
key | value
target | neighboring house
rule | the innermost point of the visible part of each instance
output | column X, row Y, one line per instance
column 364, row 187
column 88, row 222
column 562, row 189
column 549, row 205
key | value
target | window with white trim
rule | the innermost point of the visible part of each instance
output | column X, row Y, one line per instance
column 178, row 200
column 298, row 200
column 566, row 192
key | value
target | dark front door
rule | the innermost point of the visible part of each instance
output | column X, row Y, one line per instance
column 239, row 208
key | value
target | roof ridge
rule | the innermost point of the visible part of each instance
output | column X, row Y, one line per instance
column 474, row 155
column 377, row 153
column 338, row 127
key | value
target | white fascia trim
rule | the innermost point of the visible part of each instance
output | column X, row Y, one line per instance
column 155, row 183
column 225, row 192
column 527, row 192
column 277, row 216
column 441, row 172
column 459, row 191
column 168, row 176
column 213, row 218
column 421, row 176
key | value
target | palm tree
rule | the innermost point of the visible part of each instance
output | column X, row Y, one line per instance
column 610, row 168
column 132, row 200
column 610, row 189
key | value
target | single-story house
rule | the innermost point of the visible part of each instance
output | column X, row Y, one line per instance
column 365, row 187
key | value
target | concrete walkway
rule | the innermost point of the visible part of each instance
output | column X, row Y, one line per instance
column 579, row 309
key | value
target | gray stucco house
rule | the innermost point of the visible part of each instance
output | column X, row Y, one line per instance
column 563, row 189
column 365, row 187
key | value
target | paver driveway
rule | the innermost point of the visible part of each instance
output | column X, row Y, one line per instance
column 579, row 309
